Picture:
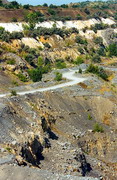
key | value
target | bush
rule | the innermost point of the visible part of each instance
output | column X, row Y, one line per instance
column 22, row 77
column 81, row 50
column 89, row 117
column 35, row 74
column 98, row 128
column 79, row 17
column 11, row 61
column 87, row 11
column 14, row 19
column 60, row 64
column 64, row 6
column 99, row 71
column 26, row 6
column 79, row 60
column 58, row 76
column 29, row 58
column 33, row 17
column 101, row 51
column 13, row 93
column 99, row 27
column 80, row 71
column 45, row 5
column 79, row 40
column 16, row 35
column 98, row 40
column 96, row 58
column 47, row 45
column 51, row 11
column 112, row 49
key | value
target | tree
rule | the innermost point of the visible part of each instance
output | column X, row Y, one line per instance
column 15, row 4
column 45, row 5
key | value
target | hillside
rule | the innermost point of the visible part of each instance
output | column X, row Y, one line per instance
column 73, row 12
column 58, row 91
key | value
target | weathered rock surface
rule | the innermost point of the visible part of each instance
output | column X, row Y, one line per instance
column 52, row 131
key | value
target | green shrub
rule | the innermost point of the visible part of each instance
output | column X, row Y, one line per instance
column 81, row 50
column 112, row 49
column 29, row 58
column 79, row 40
column 64, row 6
column 13, row 93
column 79, row 60
column 22, row 77
column 98, row 40
column 35, row 74
column 98, row 128
column 89, row 117
column 47, row 45
column 79, row 17
column 96, row 58
column 14, row 19
column 51, row 11
column 16, row 35
column 101, row 51
column 58, row 76
column 99, row 71
column 99, row 27
column 80, row 71
column 26, row 6
column 11, row 61
column 60, row 64
column 15, row 83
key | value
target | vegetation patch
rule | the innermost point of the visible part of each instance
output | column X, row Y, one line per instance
column 98, row 128
column 99, row 71
column 58, row 76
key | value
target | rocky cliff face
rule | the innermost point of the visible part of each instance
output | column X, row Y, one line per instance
column 53, row 131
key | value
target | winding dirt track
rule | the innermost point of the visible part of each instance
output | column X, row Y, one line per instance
column 70, row 75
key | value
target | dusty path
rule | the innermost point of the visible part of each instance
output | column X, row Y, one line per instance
column 70, row 75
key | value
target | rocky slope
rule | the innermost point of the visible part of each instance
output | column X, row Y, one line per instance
column 54, row 131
